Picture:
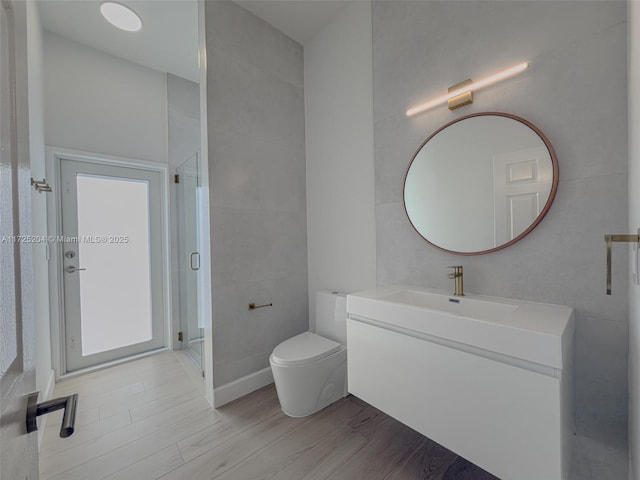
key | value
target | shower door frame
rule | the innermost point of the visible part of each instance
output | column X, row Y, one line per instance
column 185, row 253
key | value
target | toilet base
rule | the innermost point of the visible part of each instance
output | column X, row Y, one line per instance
column 306, row 389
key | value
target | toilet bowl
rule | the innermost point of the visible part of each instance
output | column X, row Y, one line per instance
column 310, row 369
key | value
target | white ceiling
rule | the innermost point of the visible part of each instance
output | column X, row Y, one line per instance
column 168, row 41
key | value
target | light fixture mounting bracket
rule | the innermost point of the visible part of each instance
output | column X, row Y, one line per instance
column 463, row 99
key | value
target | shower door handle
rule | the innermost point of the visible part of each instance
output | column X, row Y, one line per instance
column 195, row 266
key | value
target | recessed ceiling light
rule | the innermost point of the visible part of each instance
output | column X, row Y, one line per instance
column 121, row 16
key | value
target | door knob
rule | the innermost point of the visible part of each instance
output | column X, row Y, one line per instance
column 72, row 269
column 35, row 409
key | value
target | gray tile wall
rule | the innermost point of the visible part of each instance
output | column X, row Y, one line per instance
column 257, row 179
column 575, row 92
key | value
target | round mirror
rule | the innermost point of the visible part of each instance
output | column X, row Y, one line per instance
column 480, row 183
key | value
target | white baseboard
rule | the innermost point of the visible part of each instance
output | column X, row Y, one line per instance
column 46, row 395
column 241, row 387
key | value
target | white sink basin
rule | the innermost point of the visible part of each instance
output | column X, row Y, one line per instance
column 529, row 331
column 460, row 306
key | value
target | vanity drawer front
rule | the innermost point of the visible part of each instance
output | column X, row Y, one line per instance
column 505, row 419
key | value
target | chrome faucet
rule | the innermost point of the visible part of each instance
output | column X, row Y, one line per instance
column 457, row 276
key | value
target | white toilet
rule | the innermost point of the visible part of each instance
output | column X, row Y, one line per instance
column 310, row 369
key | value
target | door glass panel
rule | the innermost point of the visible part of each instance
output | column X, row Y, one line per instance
column 114, row 248
column 189, row 256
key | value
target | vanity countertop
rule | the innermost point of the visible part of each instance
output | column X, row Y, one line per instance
column 529, row 331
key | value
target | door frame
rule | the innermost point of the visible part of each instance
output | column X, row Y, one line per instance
column 56, row 281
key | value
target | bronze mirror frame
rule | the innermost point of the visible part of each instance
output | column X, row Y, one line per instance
column 541, row 215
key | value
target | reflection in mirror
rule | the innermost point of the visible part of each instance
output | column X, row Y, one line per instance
column 480, row 183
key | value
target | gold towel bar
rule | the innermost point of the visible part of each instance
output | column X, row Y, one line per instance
column 253, row 306
column 609, row 239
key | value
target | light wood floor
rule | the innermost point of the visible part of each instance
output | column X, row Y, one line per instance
column 148, row 419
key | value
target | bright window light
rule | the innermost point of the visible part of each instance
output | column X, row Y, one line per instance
column 121, row 16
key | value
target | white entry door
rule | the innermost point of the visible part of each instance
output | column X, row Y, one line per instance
column 18, row 449
column 112, row 260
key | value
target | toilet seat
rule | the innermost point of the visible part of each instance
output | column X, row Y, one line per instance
column 304, row 348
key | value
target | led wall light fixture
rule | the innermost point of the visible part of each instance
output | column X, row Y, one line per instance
column 462, row 93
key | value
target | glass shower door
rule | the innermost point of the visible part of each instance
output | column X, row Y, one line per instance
column 188, row 190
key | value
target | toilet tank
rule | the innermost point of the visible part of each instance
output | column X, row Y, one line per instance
column 331, row 315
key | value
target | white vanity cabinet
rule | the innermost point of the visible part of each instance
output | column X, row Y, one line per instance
column 511, row 416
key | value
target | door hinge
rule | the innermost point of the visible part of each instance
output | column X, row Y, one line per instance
column 180, row 337
column 176, row 178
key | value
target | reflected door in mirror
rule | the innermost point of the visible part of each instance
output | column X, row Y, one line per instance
column 522, row 183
